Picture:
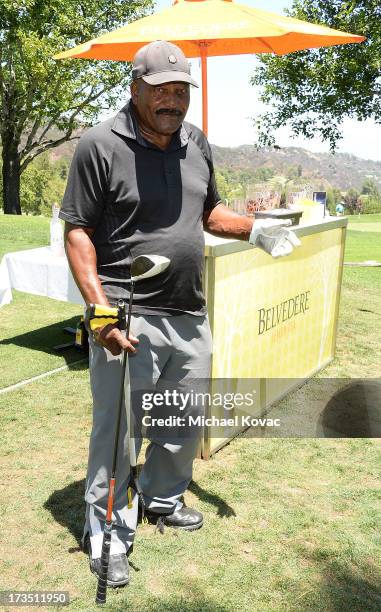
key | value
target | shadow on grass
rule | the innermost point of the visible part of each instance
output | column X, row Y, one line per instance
column 340, row 590
column 223, row 509
column 67, row 506
column 46, row 338
column 353, row 412
column 343, row 588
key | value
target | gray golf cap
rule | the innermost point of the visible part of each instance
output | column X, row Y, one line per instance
column 161, row 62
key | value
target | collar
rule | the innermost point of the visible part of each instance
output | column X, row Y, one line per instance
column 125, row 124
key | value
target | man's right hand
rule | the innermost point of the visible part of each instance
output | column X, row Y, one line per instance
column 112, row 339
column 82, row 259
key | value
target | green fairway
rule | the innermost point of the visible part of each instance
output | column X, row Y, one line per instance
column 290, row 524
column 366, row 227
column 363, row 246
column 364, row 239
column 360, row 220
column 23, row 232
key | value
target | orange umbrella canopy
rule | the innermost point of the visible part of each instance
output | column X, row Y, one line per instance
column 204, row 28
column 223, row 26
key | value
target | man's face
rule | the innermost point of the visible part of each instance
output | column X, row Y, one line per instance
column 161, row 108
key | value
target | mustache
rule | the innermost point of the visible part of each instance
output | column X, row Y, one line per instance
column 169, row 111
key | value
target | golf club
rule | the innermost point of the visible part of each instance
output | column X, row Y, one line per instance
column 144, row 266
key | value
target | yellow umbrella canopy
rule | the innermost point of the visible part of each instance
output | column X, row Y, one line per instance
column 204, row 28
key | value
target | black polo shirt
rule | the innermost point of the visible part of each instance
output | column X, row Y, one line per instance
column 143, row 200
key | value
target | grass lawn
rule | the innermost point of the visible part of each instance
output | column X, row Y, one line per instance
column 289, row 524
column 32, row 325
column 361, row 221
column 364, row 239
column 18, row 233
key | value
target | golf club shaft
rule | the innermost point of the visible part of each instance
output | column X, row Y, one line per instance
column 130, row 422
column 106, row 542
column 127, row 396
column 128, row 324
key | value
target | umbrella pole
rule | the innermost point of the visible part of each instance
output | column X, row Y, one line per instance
column 204, row 80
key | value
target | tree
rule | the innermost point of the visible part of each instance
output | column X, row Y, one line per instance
column 42, row 183
column 264, row 174
column 222, row 185
column 333, row 198
column 352, row 201
column 313, row 91
column 292, row 172
column 370, row 187
column 370, row 196
column 43, row 101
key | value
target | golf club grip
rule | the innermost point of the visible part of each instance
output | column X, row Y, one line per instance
column 105, row 557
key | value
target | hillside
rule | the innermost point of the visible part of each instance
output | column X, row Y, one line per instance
column 341, row 170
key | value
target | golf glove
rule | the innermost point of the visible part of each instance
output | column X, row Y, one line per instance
column 273, row 237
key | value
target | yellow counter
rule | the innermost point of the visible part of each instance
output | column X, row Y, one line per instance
column 273, row 320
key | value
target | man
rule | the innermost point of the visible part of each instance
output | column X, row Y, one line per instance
column 143, row 183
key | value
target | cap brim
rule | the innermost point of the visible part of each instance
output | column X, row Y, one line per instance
column 169, row 77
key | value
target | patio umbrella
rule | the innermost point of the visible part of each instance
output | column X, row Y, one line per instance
column 203, row 28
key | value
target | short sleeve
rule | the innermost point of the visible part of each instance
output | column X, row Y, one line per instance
column 87, row 183
column 212, row 196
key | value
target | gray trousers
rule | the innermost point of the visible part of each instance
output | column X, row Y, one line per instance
column 173, row 352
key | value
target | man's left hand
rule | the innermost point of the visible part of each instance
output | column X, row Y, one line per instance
column 274, row 237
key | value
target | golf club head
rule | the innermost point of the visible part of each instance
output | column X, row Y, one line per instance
column 145, row 266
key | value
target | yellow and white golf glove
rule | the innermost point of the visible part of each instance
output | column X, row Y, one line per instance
column 273, row 237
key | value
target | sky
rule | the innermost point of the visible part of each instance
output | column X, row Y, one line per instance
column 233, row 101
